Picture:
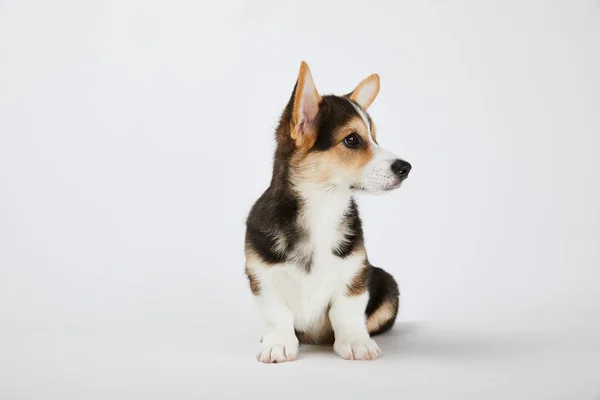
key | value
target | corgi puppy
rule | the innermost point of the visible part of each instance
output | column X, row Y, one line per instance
column 306, row 261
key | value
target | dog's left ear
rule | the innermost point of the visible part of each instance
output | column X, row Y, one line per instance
column 306, row 108
column 366, row 91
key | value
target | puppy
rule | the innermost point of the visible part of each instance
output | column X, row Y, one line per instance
column 305, row 256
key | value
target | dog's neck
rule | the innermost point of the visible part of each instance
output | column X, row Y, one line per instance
column 322, row 195
column 323, row 208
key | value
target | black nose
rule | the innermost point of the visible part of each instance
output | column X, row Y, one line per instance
column 401, row 168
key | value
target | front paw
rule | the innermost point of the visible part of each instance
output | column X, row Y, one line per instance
column 278, row 348
column 357, row 349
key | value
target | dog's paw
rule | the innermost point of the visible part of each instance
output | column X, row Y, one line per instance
column 359, row 349
column 277, row 349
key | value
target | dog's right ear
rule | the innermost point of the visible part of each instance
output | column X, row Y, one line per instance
column 306, row 108
column 366, row 91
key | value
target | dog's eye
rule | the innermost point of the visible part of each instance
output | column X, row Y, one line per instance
column 352, row 141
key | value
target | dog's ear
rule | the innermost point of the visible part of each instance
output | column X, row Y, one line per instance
column 306, row 108
column 366, row 91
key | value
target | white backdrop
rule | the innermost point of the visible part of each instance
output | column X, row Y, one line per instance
column 135, row 135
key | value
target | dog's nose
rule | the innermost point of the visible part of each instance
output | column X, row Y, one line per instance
column 401, row 168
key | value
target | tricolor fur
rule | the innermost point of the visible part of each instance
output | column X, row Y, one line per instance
column 305, row 256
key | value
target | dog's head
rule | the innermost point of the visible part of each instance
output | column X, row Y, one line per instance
column 333, row 141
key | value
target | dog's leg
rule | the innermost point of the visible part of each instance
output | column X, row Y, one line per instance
column 279, row 342
column 347, row 315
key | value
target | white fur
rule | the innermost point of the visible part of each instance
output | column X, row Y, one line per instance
column 363, row 115
column 291, row 299
column 377, row 175
column 279, row 343
column 348, row 322
column 360, row 349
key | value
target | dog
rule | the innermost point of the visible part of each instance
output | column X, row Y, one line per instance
column 306, row 262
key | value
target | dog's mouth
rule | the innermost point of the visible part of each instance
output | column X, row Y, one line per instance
column 394, row 186
column 387, row 188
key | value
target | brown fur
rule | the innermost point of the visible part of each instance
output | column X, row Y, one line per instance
column 358, row 284
column 253, row 281
column 319, row 167
column 250, row 274
column 383, row 314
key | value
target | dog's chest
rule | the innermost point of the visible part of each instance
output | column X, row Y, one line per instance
column 308, row 294
column 308, row 291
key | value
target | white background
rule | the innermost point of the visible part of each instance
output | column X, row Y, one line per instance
column 134, row 137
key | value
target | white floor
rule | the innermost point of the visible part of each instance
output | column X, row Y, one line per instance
column 534, row 359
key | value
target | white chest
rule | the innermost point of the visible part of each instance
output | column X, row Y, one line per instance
column 308, row 293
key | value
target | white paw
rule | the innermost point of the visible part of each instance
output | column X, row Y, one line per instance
column 357, row 349
column 277, row 348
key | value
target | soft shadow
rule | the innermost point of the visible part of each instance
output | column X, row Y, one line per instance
column 430, row 341
column 427, row 341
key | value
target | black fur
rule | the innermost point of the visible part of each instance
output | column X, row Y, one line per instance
column 382, row 288
column 334, row 111
column 273, row 214
column 354, row 237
